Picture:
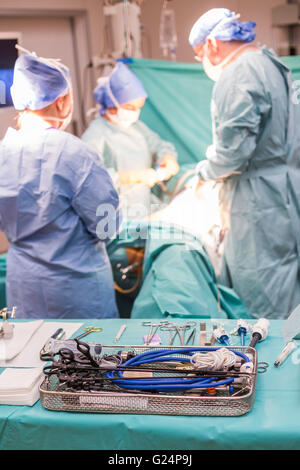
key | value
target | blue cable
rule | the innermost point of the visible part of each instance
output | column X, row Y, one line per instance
column 166, row 384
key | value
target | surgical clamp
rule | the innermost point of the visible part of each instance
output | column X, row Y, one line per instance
column 173, row 326
column 153, row 329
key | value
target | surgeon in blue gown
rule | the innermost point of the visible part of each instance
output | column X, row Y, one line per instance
column 136, row 156
column 255, row 155
column 58, row 205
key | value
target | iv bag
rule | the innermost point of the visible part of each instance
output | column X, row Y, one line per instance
column 291, row 327
column 168, row 36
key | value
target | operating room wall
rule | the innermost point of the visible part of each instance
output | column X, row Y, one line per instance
column 34, row 36
column 66, row 29
column 188, row 11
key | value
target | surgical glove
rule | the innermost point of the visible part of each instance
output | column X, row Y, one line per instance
column 170, row 166
column 148, row 177
column 198, row 187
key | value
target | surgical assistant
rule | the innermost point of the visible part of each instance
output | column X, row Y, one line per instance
column 256, row 157
column 58, row 205
column 130, row 150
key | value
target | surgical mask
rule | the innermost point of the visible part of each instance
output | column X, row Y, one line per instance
column 214, row 71
column 67, row 120
column 125, row 117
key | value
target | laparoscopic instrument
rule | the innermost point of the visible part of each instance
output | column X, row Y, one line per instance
column 259, row 331
column 7, row 329
column 55, row 342
column 151, row 378
column 242, row 329
column 178, row 370
column 176, row 384
column 290, row 331
column 221, row 335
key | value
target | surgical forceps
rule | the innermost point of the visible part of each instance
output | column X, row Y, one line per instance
column 172, row 326
column 185, row 327
column 153, row 329
column 191, row 337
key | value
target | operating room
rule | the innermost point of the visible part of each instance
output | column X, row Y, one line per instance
column 150, row 201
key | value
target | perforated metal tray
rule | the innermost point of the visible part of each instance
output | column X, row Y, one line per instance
column 120, row 401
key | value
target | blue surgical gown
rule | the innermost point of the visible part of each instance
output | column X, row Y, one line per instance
column 256, row 133
column 56, row 201
column 125, row 150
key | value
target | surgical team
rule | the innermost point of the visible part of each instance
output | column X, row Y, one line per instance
column 63, row 198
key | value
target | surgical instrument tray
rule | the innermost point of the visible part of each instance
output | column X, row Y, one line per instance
column 114, row 399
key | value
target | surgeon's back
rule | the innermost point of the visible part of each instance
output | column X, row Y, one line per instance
column 51, row 188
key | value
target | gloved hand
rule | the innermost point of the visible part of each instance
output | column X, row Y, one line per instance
column 169, row 166
column 196, row 184
column 148, row 177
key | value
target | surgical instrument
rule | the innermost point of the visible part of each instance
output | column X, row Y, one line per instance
column 262, row 367
column 221, row 335
column 178, row 328
column 185, row 327
column 170, row 384
column 171, row 327
column 285, row 353
column 191, row 337
column 153, row 329
column 202, row 334
column 88, row 330
column 121, row 331
column 241, row 329
column 259, row 331
column 213, row 338
column 49, row 346
column 4, row 313
column 7, row 329
column 59, row 334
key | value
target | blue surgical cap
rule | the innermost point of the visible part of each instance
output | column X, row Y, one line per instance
column 38, row 82
column 221, row 24
column 122, row 84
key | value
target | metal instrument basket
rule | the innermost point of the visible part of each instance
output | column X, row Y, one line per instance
column 192, row 403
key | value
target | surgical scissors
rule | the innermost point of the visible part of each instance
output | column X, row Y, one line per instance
column 88, row 330
column 262, row 367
